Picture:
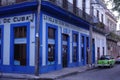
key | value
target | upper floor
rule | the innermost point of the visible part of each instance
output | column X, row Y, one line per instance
column 11, row 2
column 88, row 10
column 111, row 21
column 73, row 6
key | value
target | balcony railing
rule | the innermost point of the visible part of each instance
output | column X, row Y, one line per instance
column 99, row 26
column 11, row 2
column 64, row 4
column 70, row 8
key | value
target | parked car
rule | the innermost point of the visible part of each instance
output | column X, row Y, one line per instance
column 117, row 60
column 106, row 61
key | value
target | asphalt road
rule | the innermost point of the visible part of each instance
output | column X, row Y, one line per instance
column 97, row 74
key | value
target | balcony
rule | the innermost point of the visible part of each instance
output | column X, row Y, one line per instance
column 11, row 2
column 99, row 26
column 71, row 8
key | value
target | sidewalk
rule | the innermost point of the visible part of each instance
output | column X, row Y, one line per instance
column 47, row 76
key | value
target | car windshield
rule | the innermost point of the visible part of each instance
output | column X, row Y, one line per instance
column 105, row 58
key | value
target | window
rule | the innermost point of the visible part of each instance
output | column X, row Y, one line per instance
column 75, row 44
column 87, row 42
column 65, row 4
column 103, row 51
column 0, row 2
column 51, row 52
column 83, row 7
column 51, row 45
column 74, row 6
column 92, row 10
column 82, row 48
column 20, row 47
column 20, row 32
column 98, row 14
column 102, row 17
column 20, row 54
column 75, row 37
column 51, row 33
column 64, row 38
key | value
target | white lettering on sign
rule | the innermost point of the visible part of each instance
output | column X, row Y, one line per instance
column 63, row 23
column 28, row 17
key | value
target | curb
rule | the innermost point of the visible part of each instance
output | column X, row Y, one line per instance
column 2, row 75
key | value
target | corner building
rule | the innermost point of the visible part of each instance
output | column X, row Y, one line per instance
column 64, row 38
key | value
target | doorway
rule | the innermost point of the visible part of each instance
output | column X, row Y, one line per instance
column 87, row 50
column 64, row 50
column 83, row 50
column 98, row 53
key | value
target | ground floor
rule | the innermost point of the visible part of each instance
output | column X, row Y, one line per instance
column 113, row 49
column 64, row 39
column 65, row 44
column 62, row 44
column 99, row 45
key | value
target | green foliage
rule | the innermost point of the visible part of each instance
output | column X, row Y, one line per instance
column 116, row 5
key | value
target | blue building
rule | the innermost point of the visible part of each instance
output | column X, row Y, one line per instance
column 64, row 37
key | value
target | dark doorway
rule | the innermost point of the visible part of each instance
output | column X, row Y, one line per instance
column 87, row 50
column 93, row 50
column 20, row 48
column 98, row 53
column 83, row 50
column 64, row 50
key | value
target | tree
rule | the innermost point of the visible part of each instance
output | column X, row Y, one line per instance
column 116, row 5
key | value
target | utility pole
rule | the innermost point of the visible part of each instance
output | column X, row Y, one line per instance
column 37, row 36
column 91, row 34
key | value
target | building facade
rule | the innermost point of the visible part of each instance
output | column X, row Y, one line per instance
column 64, row 36
column 111, row 23
column 99, row 38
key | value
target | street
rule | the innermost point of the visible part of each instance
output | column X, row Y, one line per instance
column 97, row 74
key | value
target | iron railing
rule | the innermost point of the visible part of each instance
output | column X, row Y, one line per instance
column 70, row 8
column 12, row 2
column 64, row 4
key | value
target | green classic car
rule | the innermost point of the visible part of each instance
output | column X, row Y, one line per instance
column 106, row 60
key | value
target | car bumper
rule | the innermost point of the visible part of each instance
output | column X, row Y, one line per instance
column 103, row 65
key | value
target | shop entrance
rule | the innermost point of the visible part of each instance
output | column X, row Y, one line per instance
column 87, row 50
column 83, row 49
column 64, row 50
